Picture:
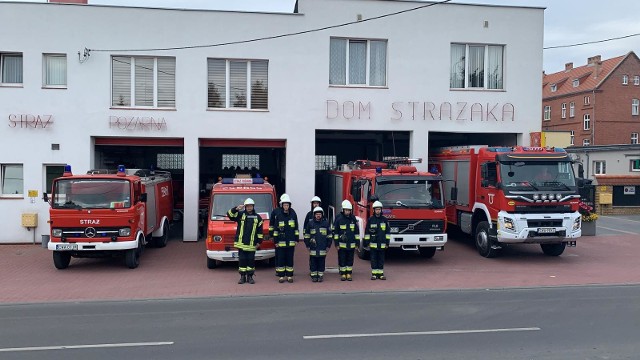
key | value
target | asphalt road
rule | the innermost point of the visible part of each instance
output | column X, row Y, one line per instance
column 601, row 322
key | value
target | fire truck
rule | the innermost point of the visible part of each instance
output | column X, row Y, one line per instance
column 106, row 213
column 228, row 193
column 511, row 195
column 412, row 201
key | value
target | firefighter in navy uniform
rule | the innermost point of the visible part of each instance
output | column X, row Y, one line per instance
column 346, row 235
column 283, row 229
column 248, row 237
column 315, row 202
column 317, row 238
column 377, row 237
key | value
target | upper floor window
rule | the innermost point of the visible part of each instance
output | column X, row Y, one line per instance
column 635, row 104
column 10, row 68
column 11, row 179
column 572, row 138
column 625, row 79
column 586, row 142
column 572, row 109
column 547, row 112
column 587, row 100
column 636, row 80
column 599, row 167
column 634, row 138
column 54, row 70
column 564, row 110
column 477, row 66
column 357, row 62
column 238, row 84
column 143, row 81
column 554, row 87
column 576, row 82
column 586, row 121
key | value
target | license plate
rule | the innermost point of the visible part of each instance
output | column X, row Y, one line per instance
column 66, row 246
column 234, row 254
column 546, row 230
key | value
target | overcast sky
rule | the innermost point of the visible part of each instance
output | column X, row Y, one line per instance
column 566, row 22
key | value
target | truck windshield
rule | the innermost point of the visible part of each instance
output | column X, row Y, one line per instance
column 91, row 194
column 223, row 202
column 410, row 193
column 536, row 175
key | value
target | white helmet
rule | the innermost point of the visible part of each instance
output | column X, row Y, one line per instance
column 285, row 199
column 377, row 204
column 318, row 209
column 346, row 205
column 316, row 199
column 249, row 201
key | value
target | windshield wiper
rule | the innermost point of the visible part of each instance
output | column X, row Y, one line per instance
column 557, row 183
column 70, row 205
column 400, row 203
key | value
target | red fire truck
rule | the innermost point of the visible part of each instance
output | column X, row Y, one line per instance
column 511, row 195
column 105, row 213
column 412, row 201
column 228, row 193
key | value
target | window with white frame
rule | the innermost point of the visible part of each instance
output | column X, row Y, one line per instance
column 51, row 172
column 636, row 80
column 586, row 142
column 635, row 165
column 635, row 107
column 599, row 167
column 576, row 82
column 357, row 62
column 10, row 68
column 241, row 162
column 587, row 100
column 572, row 109
column 54, row 70
column 477, row 66
column 326, row 162
column 634, row 138
column 145, row 82
column 564, row 110
column 554, row 87
column 586, row 121
column 237, row 84
column 572, row 137
column 547, row 112
column 12, row 179
column 625, row 79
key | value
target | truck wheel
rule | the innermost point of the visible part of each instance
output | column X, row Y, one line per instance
column 553, row 249
column 363, row 254
column 483, row 242
column 132, row 258
column 61, row 259
column 161, row 241
column 211, row 263
column 427, row 252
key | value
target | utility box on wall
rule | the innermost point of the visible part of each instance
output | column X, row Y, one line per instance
column 30, row 220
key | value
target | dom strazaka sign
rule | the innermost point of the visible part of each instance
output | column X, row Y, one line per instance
column 140, row 123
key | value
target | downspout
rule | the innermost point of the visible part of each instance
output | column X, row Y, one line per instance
column 593, row 119
column 588, row 162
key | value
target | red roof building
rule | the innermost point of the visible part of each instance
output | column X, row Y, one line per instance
column 599, row 103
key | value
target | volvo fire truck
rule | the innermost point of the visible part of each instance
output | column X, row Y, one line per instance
column 412, row 201
column 221, row 231
column 107, row 213
column 511, row 195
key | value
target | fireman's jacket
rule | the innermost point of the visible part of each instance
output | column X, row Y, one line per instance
column 309, row 218
column 377, row 233
column 249, row 231
column 346, row 232
column 317, row 237
column 283, row 227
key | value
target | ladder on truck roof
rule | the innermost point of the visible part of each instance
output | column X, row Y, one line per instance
column 389, row 163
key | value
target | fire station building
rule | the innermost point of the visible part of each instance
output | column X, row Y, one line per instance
column 207, row 94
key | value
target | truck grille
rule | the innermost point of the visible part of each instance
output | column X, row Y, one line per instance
column 544, row 223
column 530, row 209
column 416, row 226
column 86, row 232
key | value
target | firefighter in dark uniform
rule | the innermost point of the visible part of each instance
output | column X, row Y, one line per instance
column 346, row 235
column 315, row 202
column 317, row 238
column 283, row 229
column 248, row 237
column 377, row 237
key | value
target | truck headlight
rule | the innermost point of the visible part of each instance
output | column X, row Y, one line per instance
column 508, row 224
column 124, row 232
column 438, row 238
column 217, row 238
column 576, row 224
column 56, row 232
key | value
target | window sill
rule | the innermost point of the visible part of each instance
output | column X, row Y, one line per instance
column 546, row 119
column 11, row 85
column 55, row 87
column 142, row 108
column 477, row 89
column 238, row 110
column 12, row 197
column 358, row 87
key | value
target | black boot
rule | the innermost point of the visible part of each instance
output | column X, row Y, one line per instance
column 250, row 279
column 243, row 279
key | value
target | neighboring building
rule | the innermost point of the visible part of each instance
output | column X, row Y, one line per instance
column 621, row 160
column 446, row 74
column 599, row 103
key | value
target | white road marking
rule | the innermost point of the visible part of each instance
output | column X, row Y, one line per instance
column 94, row 346
column 617, row 218
column 622, row 231
column 414, row 333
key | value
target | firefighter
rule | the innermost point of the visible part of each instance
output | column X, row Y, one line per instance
column 248, row 237
column 346, row 235
column 283, row 229
column 315, row 202
column 317, row 238
column 377, row 237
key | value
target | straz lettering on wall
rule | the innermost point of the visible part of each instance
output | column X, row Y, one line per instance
column 29, row 121
column 140, row 123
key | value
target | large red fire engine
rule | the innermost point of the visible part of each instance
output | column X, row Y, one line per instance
column 412, row 201
column 511, row 195
column 228, row 193
column 105, row 213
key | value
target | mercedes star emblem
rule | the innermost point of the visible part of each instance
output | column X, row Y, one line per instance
column 90, row 232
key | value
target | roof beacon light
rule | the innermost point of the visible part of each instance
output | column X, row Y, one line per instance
column 379, row 170
column 67, row 170
column 121, row 171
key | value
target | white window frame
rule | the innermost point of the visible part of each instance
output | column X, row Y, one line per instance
column 3, row 168
column 633, row 164
column 547, row 113
column 634, row 138
column 132, row 83
column 554, row 87
column 572, row 137
column 564, row 110
column 636, row 80
column 45, row 69
column 228, row 100
column 586, row 142
column 367, row 63
column 576, row 82
column 599, row 167
column 635, row 107
column 586, row 122
column 465, row 85
column 2, row 64
column 45, row 188
column 572, row 109
column 625, row 79
column 587, row 100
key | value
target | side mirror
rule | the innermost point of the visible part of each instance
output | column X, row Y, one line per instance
column 143, row 197
column 45, row 197
column 373, row 198
column 580, row 182
column 454, row 194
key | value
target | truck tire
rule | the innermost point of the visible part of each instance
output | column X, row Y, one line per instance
column 363, row 254
column 427, row 252
column 161, row 241
column 61, row 259
column 553, row 249
column 211, row 263
column 483, row 242
column 132, row 258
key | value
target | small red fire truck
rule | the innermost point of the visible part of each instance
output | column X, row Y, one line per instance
column 228, row 193
column 511, row 195
column 105, row 213
column 412, row 201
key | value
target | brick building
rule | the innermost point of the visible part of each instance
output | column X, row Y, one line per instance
column 599, row 103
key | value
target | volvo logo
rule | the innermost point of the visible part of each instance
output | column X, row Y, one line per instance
column 411, row 226
column 90, row 232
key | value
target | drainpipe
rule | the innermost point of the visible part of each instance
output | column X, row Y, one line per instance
column 588, row 163
column 593, row 119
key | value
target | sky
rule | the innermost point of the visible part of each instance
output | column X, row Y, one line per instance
column 566, row 22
